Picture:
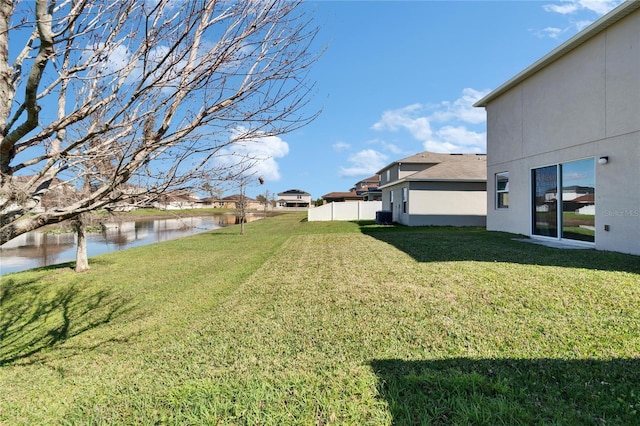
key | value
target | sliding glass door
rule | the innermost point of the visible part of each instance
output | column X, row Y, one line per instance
column 579, row 200
column 570, row 212
column 545, row 201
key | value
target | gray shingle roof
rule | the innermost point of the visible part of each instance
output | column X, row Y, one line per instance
column 446, row 166
column 462, row 168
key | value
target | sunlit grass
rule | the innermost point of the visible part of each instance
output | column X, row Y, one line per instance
column 326, row 323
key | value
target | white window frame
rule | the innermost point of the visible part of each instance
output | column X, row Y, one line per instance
column 405, row 198
column 502, row 192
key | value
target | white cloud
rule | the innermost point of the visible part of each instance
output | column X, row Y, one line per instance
column 600, row 6
column 106, row 59
column 259, row 151
column 111, row 61
column 462, row 109
column 365, row 162
column 566, row 7
column 389, row 147
column 341, row 146
column 551, row 32
column 574, row 8
column 405, row 118
column 444, row 127
column 457, row 139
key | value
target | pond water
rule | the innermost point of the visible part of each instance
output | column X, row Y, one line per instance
column 35, row 249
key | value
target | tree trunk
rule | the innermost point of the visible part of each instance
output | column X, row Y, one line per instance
column 82, row 261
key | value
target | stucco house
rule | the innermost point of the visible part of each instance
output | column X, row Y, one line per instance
column 341, row 197
column 369, row 188
column 294, row 198
column 177, row 200
column 436, row 189
column 563, row 141
column 364, row 190
column 235, row 202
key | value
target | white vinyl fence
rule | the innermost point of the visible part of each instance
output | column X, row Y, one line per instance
column 349, row 210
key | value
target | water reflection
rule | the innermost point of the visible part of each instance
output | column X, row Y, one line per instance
column 36, row 249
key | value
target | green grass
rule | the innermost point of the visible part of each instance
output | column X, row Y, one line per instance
column 325, row 323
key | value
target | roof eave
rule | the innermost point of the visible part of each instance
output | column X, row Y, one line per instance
column 388, row 166
column 390, row 184
column 410, row 179
column 445, row 180
column 624, row 9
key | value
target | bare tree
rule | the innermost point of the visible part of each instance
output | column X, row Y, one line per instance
column 265, row 200
column 212, row 190
column 243, row 180
column 126, row 100
column 242, row 206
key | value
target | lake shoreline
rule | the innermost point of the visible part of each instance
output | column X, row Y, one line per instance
column 99, row 218
column 57, row 244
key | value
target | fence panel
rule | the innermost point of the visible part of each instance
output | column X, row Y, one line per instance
column 355, row 210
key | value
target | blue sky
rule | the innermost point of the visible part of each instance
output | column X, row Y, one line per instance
column 399, row 77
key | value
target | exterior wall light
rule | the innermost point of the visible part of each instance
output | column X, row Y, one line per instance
column 603, row 160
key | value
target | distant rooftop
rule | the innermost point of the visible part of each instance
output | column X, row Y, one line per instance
column 453, row 170
column 293, row 192
column 436, row 158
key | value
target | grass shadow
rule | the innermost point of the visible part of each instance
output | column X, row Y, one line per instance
column 444, row 244
column 510, row 391
column 35, row 318
column 52, row 267
column 71, row 265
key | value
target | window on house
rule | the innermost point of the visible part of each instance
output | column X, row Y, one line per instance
column 405, row 196
column 391, row 200
column 388, row 175
column 502, row 190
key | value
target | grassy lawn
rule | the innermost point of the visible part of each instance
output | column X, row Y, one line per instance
column 325, row 323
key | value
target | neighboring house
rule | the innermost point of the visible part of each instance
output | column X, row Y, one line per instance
column 572, row 121
column 436, row 189
column 210, row 202
column 364, row 190
column 235, row 202
column 369, row 188
column 178, row 200
column 340, row 197
column 294, row 198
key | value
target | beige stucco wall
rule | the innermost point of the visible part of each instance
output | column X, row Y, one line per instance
column 439, row 203
column 447, row 203
column 397, row 201
column 586, row 104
